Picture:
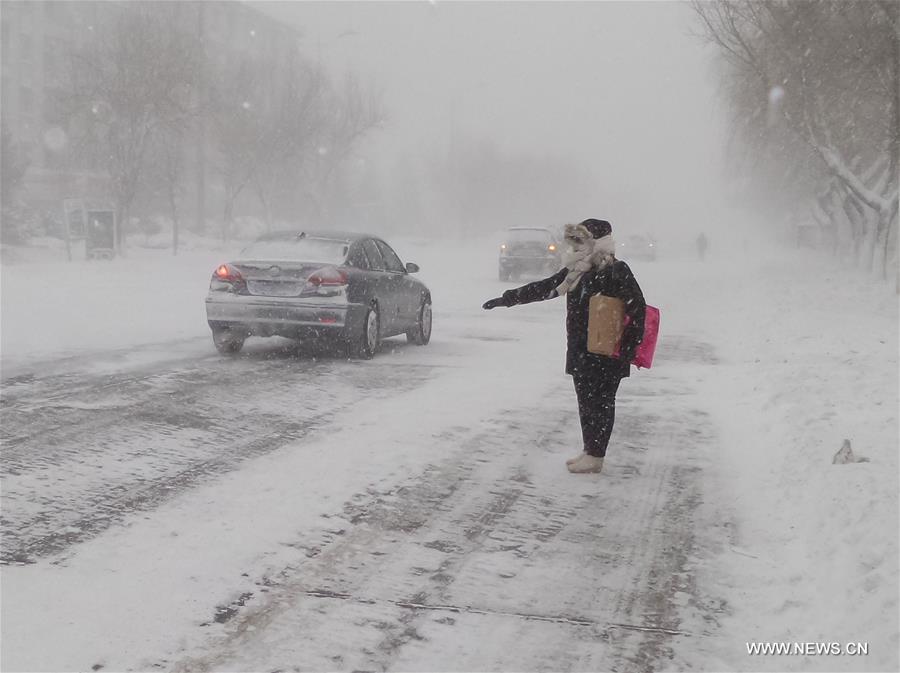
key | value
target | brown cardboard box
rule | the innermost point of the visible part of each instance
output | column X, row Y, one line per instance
column 606, row 321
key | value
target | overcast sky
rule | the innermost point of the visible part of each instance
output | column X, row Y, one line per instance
column 622, row 85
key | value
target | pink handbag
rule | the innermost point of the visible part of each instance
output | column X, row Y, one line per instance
column 643, row 357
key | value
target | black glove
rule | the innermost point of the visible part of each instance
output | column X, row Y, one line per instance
column 494, row 303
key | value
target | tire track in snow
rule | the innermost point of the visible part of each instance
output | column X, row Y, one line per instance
column 565, row 572
column 83, row 452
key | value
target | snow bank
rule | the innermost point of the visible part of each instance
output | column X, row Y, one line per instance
column 52, row 307
column 807, row 356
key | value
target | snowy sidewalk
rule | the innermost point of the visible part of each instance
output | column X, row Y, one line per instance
column 806, row 356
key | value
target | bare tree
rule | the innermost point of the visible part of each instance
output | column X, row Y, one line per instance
column 825, row 74
column 129, row 86
column 348, row 114
column 167, row 167
column 265, row 117
column 13, row 165
column 235, row 97
column 286, row 138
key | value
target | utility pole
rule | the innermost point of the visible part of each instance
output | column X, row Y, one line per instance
column 200, row 92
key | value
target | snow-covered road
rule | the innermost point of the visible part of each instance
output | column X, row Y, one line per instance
column 167, row 508
column 484, row 531
column 84, row 451
column 490, row 557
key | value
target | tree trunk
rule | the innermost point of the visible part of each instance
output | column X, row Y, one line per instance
column 856, row 227
column 173, row 206
column 125, row 198
column 825, row 212
column 122, row 216
column 267, row 209
column 227, row 216
column 890, row 236
column 231, row 194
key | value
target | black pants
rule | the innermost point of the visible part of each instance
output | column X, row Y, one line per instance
column 597, row 410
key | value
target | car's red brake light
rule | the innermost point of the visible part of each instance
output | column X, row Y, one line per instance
column 328, row 276
column 228, row 273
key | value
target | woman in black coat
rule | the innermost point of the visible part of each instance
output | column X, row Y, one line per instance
column 591, row 268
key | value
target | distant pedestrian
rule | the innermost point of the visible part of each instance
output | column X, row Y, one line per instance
column 702, row 245
column 590, row 269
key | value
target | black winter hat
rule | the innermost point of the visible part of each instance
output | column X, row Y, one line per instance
column 598, row 228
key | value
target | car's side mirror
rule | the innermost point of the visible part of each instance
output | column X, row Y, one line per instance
column 411, row 268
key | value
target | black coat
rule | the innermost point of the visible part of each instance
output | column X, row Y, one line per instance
column 614, row 280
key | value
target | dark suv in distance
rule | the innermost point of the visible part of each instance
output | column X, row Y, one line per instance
column 528, row 250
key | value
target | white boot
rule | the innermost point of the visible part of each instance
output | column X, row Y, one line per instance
column 576, row 458
column 587, row 464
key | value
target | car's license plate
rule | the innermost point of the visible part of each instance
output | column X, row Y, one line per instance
column 269, row 288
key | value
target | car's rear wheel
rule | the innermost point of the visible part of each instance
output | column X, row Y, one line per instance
column 227, row 340
column 503, row 275
column 420, row 333
column 365, row 343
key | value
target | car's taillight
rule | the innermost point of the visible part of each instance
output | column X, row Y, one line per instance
column 328, row 276
column 228, row 273
column 227, row 278
column 328, row 280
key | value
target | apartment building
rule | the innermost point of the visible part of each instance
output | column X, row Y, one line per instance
column 37, row 42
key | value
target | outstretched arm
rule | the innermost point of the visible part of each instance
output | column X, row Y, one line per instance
column 539, row 290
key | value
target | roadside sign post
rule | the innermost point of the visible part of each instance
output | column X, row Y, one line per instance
column 94, row 222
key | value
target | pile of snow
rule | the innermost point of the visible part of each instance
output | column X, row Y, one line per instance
column 60, row 308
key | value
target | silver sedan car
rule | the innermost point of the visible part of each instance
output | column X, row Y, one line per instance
column 350, row 289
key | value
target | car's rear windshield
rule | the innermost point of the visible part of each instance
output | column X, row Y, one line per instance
column 541, row 235
column 295, row 249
